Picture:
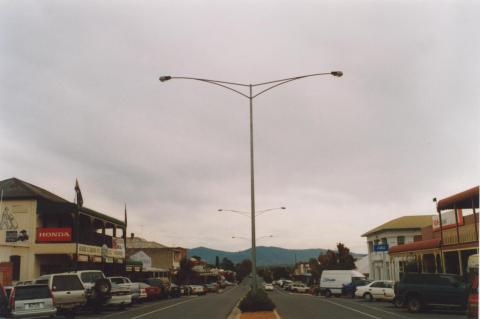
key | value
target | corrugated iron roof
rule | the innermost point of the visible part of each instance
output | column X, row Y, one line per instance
column 464, row 199
column 418, row 245
column 404, row 222
column 14, row 188
column 138, row 242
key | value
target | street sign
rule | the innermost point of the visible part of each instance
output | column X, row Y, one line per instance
column 380, row 247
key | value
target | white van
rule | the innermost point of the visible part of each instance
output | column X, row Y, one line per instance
column 332, row 281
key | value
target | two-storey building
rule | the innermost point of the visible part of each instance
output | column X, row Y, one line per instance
column 399, row 231
column 42, row 233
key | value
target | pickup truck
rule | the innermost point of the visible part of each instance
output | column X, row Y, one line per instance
column 418, row 291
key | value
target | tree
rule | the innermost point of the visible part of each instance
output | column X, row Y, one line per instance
column 217, row 262
column 185, row 272
column 227, row 264
column 244, row 269
column 340, row 260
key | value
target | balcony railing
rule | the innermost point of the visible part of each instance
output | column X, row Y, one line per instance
column 466, row 232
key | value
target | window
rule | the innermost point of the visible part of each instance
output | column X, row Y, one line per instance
column 384, row 241
column 32, row 292
column 66, row 282
column 15, row 260
column 378, row 284
column 400, row 240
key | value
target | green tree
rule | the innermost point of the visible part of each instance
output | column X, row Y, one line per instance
column 185, row 272
column 217, row 262
column 340, row 260
column 243, row 269
column 227, row 264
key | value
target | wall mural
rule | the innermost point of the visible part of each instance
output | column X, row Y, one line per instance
column 8, row 221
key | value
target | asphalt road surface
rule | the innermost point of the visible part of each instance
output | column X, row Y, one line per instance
column 299, row 306
column 211, row 306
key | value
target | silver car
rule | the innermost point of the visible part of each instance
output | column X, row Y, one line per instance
column 31, row 301
column 68, row 291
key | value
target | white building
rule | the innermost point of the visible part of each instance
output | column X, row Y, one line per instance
column 399, row 231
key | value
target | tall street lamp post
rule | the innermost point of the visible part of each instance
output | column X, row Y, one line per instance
column 265, row 86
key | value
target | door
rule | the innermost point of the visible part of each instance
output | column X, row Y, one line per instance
column 377, row 289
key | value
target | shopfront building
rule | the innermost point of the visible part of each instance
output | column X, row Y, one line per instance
column 42, row 233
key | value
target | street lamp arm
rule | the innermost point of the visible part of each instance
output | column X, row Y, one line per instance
column 259, row 213
column 284, row 81
column 223, row 84
column 334, row 73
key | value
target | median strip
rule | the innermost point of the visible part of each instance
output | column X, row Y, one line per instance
column 164, row 308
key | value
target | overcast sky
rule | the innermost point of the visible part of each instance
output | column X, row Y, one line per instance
column 80, row 98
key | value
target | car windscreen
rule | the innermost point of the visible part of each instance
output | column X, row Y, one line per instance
column 66, row 282
column 32, row 292
column 91, row 277
column 116, row 280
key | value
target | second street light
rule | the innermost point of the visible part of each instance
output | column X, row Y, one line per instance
column 264, row 87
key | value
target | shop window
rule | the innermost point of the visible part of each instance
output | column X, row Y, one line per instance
column 384, row 241
column 400, row 240
column 15, row 260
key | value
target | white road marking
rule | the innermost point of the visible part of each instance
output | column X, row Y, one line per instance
column 378, row 309
column 350, row 308
column 161, row 309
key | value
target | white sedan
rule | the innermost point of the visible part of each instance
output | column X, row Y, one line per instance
column 268, row 287
column 376, row 290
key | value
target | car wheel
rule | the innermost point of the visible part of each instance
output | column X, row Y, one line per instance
column 414, row 304
column 368, row 297
column 328, row 293
column 397, row 303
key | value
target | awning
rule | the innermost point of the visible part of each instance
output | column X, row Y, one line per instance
column 460, row 200
column 418, row 245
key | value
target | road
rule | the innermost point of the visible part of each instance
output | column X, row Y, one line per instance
column 297, row 306
column 211, row 306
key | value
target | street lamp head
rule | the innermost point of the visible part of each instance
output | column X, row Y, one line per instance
column 337, row 73
column 164, row 78
column 283, row 207
column 220, row 210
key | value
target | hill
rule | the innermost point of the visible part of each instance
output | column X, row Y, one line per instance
column 266, row 256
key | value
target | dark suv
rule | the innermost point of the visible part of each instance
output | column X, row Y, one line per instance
column 418, row 291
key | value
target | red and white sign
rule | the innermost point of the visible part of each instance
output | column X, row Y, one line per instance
column 47, row 235
column 448, row 220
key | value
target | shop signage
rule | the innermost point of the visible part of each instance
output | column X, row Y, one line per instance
column 97, row 259
column 109, row 260
column 448, row 220
column 83, row 258
column 380, row 247
column 11, row 236
column 47, row 235
column 99, row 251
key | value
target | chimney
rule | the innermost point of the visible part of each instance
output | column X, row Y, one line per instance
column 132, row 235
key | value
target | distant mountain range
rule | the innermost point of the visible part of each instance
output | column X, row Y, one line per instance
column 266, row 256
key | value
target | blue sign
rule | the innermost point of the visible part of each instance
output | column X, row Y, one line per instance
column 380, row 247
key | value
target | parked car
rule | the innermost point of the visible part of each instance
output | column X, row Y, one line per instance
column 350, row 288
column 211, row 287
column 376, row 290
column 197, row 290
column 3, row 302
column 97, row 288
column 119, row 297
column 299, row 287
column 175, row 291
column 418, row 291
column 68, row 292
column 285, row 283
column 31, row 301
column 127, row 283
column 268, row 287
column 23, row 283
column 161, row 283
column 472, row 270
column 332, row 281
column 152, row 292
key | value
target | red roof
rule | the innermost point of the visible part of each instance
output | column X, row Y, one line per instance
column 465, row 199
column 418, row 245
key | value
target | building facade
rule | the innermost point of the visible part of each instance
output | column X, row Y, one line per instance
column 155, row 257
column 448, row 242
column 42, row 233
column 397, row 232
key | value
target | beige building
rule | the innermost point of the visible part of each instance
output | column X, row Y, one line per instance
column 154, row 256
column 42, row 233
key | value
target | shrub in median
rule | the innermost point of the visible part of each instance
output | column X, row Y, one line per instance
column 258, row 301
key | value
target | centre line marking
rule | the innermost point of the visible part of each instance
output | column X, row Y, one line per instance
column 161, row 309
column 352, row 309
